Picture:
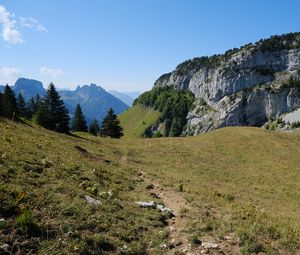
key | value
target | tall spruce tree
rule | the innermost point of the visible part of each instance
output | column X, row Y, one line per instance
column 33, row 104
column 78, row 121
column 9, row 103
column 94, row 127
column 22, row 107
column 111, row 125
column 52, row 113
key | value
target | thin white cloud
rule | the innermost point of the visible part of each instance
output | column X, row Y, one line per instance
column 10, row 71
column 10, row 33
column 33, row 23
column 9, row 74
column 53, row 73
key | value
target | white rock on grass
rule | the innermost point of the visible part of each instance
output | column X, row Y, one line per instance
column 91, row 200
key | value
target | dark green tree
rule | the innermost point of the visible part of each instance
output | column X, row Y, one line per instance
column 33, row 104
column 94, row 128
column 78, row 121
column 42, row 114
column 52, row 113
column 111, row 125
column 9, row 103
column 22, row 107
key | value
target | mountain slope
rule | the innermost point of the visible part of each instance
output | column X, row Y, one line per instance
column 94, row 101
column 137, row 119
column 123, row 97
column 29, row 88
column 240, row 190
column 242, row 87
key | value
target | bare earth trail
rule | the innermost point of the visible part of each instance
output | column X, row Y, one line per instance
column 179, row 243
column 176, row 225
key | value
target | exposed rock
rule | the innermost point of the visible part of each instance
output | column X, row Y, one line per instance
column 208, row 245
column 150, row 204
column 91, row 200
column 4, row 247
column 153, row 205
column 244, row 87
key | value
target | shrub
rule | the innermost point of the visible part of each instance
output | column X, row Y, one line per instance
column 25, row 219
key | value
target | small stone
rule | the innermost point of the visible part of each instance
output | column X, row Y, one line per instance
column 91, row 200
column 163, row 245
column 208, row 245
column 4, row 247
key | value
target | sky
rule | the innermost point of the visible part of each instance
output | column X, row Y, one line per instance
column 125, row 45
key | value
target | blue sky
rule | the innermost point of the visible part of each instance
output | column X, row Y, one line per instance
column 126, row 45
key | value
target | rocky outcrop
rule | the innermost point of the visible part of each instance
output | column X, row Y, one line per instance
column 245, row 86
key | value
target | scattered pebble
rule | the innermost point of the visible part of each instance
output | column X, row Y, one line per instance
column 163, row 245
column 208, row 245
column 91, row 200
column 4, row 247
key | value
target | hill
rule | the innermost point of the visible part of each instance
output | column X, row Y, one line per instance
column 232, row 190
column 248, row 86
column 136, row 120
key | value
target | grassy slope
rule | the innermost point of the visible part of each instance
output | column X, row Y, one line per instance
column 137, row 119
column 55, row 171
column 238, row 181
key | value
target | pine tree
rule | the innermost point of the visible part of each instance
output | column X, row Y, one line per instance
column 94, row 128
column 52, row 113
column 42, row 114
column 33, row 104
column 78, row 122
column 9, row 103
column 111, row 125
column 22, row 107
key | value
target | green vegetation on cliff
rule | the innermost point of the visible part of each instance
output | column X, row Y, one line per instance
column 173, row 104
column 137, row 119
column 274, row 43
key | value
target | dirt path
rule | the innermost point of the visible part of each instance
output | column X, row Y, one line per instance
column 178, row 243
column 178, row 238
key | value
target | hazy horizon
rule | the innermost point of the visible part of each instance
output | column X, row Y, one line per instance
column 126, row 46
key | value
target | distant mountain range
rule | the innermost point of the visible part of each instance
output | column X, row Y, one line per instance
column 94, row 100
column 126, row 97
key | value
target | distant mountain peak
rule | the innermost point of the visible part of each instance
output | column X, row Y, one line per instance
column 29, row 87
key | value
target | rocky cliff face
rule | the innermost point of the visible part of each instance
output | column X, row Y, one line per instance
column 245, row 86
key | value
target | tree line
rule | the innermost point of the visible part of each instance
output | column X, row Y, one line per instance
column 173, row 104
column 51, row 113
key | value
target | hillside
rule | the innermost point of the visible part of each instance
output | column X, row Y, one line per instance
column 242, row 87
column 240, row 193
column 137, row 119
column 126, row 97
